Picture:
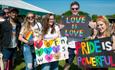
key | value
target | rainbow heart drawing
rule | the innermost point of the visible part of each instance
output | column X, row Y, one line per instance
column 49, row 57
column 39, row 52
column 48, row 50
column 48, row 43
column 57, row 55
column 56, row 48
column 38, row 44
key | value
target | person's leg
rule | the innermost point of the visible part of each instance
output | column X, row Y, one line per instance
column 27, row 57
column 45, row 66
column 69, row 61
column 6, row 57
column 54, row 65
column 1, row 62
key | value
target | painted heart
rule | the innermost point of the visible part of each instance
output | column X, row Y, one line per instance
column 49, row 57
column 38, row 44
column 57, row 55
column 48, row 43
column 48, row 50
column 56, row 48
column 39, row 52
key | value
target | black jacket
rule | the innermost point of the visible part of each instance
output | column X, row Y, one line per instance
column 6, row 30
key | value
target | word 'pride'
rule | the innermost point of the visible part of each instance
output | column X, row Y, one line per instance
column 95, row 46
column 95, row 53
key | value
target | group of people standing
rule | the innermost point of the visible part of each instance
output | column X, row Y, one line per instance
column 13, row 32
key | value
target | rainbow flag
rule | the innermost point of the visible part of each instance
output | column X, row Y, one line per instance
column 29, row 36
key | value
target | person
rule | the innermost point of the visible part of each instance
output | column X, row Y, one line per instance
column 103, row 31
column 6, row 13
column 10, row 30
column 50, row 31
column 75, row 6
column 1, row 55
column 26, row 36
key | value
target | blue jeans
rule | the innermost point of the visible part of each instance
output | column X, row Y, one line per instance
column 29, row 57
column 50, row 66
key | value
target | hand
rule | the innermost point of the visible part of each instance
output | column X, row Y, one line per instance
column 30, row 42
column 61, row 26
column 1, row 55
column 92, row 24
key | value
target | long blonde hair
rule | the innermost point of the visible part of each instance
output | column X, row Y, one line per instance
column 26, row 24
column 106, row 21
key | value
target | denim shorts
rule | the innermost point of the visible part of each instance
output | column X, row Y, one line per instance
column 8, row 53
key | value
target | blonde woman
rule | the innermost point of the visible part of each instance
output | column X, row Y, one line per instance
column 26, row 36
column 103, row 29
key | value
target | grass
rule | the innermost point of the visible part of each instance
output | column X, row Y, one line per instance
column 20, row 65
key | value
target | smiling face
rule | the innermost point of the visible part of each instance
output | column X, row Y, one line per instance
column 75, row 9
column 13, row 15
column 51, row 20
column 31, row 17
column 101, row 26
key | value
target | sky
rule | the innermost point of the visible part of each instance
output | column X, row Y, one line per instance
column 99, row 7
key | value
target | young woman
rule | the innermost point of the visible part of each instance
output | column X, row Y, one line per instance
column 103, row 30
column 50, row 31
column 26, row 36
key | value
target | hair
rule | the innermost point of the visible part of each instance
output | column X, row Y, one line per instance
column 26, row 24
column 105, row 20
column 3, row 11
column 14, row 10
column 46, row 25
column 113, row 28
column 75, row 3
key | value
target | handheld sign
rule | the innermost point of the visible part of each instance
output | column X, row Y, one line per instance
column 51, row 50
column 95, row 53
column 76, row 27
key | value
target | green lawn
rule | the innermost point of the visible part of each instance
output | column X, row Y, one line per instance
column 20, row 65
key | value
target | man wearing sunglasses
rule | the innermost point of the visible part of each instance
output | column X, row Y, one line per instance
column 10, row 29
column 74, row 7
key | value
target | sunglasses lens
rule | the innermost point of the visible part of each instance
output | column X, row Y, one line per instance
column 32, row 17
column 74, row 8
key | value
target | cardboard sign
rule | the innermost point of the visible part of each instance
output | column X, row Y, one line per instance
column 51, row 50
column 76, row 27
column 95, row 53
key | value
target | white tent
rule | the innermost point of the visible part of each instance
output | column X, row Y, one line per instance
column 22, row 5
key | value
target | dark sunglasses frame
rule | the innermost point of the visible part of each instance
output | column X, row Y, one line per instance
column 32, row 17
column 74, row 8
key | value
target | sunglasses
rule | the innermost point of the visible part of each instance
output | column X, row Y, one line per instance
column 30, row 17
column 74, row 8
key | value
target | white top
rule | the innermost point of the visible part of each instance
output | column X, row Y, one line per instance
column 37, row 27
column 55, row 34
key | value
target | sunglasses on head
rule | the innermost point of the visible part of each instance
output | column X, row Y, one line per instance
column 74, row 8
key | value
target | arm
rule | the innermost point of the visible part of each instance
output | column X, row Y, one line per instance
column 113, row 39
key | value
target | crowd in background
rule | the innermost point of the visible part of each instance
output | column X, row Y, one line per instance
column 14, row 27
